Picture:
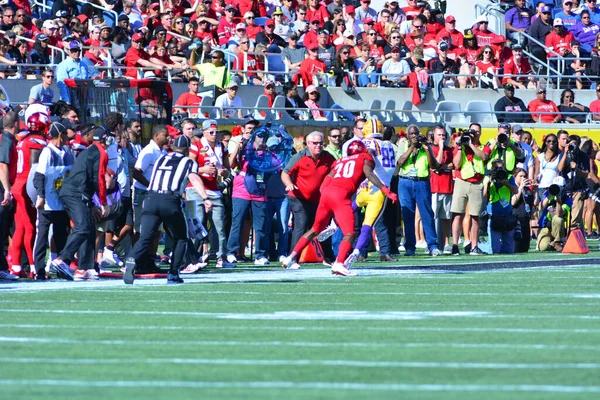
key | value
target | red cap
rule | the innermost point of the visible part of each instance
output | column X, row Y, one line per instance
column 450, row 18
column 82, row 18
column 350, row 9
column 270, row 22
column 137, row 36
column 173, row 132
column 368, row 20
column 151, row 6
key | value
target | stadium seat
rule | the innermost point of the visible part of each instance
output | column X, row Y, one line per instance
column 374, row 111
column 279, row 102
column 262, row 104
column 409, row 117
column 480, row 112
column 206, row 107
column 449, row 111
column 260, row 21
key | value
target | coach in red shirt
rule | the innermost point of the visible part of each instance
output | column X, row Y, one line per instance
column 302, row 177
column 541, row 104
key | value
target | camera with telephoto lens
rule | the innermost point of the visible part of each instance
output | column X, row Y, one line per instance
column 225, row 183
column 421, row 140
column 502, row 138
column 466, row 136
column 555, row 190
column 498, row 174
column 572, row 152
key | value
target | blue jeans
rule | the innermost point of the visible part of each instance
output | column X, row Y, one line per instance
column 501, row 242
column 346, row 114
column 417, row 193
column 364, row 79
column 281, row 207
column 259, row 213
column 383, row 236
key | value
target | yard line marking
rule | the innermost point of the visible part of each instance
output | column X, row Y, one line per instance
column 121, row 342
column 397, row 387
column 308, row 363
column 299, row 328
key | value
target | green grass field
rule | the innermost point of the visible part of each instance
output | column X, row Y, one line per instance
column 253, row 333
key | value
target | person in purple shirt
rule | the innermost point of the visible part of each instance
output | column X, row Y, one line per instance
column 585, row 32
column 517, row 19
column 569, row 18
column 593, row 10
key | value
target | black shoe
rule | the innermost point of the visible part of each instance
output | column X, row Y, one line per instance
column 468, row 249
column 174, row 280
column 41, row 275
column 129, row 275
column 476, row 252
column 455, row 251
column 387, row 258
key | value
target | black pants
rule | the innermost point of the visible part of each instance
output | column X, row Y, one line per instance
column 6, row 215
column 522, row 245
column 304, row 217
column 167, row 209
column 82, row 239
column 60, row 222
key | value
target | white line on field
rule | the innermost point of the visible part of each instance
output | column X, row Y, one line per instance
column 299, row 363
column 120, row 342
column 313, row 315
column 397, row 387
column 298, row 328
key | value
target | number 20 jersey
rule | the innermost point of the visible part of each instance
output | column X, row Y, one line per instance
column 385, row 159
column 348, row 174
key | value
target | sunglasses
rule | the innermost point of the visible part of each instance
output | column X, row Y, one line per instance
column 215, row 57
column 541, row 92
column 335, row 136
column 317, row 143
column 395, row 37
column 249, row 17
column 246, row 42
column 504, row 126
column 372, row 34
column 311, row 93
column 551, row 141
column 212, row 132
column 487, row 52
column 179, row 22
column 48, row 76
column 345, row 52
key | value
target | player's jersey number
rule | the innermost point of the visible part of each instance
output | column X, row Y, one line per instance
column 387, row 157
column 345, row 170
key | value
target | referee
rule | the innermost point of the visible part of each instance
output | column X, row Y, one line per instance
column 170, row 176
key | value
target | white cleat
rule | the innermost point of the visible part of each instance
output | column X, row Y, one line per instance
column 351, row 258
column 327, row 233
column 290, row 263
column 340, row 269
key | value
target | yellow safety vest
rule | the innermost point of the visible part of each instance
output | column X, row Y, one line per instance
column 468, row 169
column 420, row 163
column 510, row 161
column 499, row 194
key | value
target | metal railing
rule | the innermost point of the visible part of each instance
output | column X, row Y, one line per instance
column 490, row 10
column 53, row 49
column 99, row 7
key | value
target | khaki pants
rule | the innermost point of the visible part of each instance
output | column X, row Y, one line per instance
column 577, row 211
column 547, row 237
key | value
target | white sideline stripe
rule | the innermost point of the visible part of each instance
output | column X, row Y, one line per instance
column 313, row 315
column 297, row 328
column 398, row 387
column 12, row 339
column 300, row 363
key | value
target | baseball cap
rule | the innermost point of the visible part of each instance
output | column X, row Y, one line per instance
column 480, row 19
column 443, row 45
column 42, row 37
column 395, row 49
column 450, row 18
column 74, row 45
column 546, row 9
column 248, row 14
column 232, row 84
column 250, row 120
column 350, row 10
column 10, row 34
column 270, row 22
column 240, row 26
column 100, row 133
column 56, row 129
column 154, row 5
column 82, row 18
column 209, row 124
column 559, row 180
column 230, row 7
column 123, row 17
column 517, row 46
column 49, row 24
column 173, row 132
column 293, row 36
column 197, row 132
column 469, row 34
column 368, row 20
column 181, row 141
column 567, row 1
column 509, row 87
column 517, row 128
column 278, row 11
column 311, row 88
column 160, row 29
column 137, row 37
column 558, row 22
column 62, row 13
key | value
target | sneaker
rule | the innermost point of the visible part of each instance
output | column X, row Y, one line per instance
column 174, row 279
column 351, row 259
column 593, row 236
column 340, row 269
column 455, row 251
column 17, row 271
column 231, row 259
column 112, row 258
column 86, row 275
column 128, row 274
column 401, row 248
column 467, row 247
column 62, row 269
column 226, row 264
column 435, row 252
column 261, row 261
column 219, row 263
column 326, row 234
column 190, row 269
column 281, row 258
column 290, row 263
column 7, row 276
column 40, row 275
column 421, row 244
column 448, row 249
column 409, row 253
column 476, row 252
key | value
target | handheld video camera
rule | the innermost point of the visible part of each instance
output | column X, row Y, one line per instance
column 466, row 136
column 498, row 174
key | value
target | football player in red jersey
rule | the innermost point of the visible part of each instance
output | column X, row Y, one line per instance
column 337, row 190
column 28, row 151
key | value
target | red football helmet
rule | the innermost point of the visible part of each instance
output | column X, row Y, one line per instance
column 356, row 147
column 38, row 122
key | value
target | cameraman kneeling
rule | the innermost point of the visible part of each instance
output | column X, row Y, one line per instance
column 554, row 206
column 499, row 189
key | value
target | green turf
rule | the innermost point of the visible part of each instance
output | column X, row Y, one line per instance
column 534, row 336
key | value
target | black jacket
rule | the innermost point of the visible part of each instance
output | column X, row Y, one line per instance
column 87, row 175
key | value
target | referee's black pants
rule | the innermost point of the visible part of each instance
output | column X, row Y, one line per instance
column 168, row 209
column 82, row 239
column 60, row 222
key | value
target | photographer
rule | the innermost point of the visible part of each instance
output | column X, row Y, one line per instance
column 469, row 161
column 575, row 169
column 414, row 189
column 499, row 189
column 505, row 149
column 554, row 207
column 522, row 203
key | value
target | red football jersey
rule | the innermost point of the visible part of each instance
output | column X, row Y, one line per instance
column 348, row 173
column 24, row 148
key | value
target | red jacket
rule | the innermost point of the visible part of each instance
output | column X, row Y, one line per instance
column 308, row 69
column 560, row 44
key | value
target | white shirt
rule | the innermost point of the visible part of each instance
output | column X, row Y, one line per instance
column 146, row 160
column 228, row 106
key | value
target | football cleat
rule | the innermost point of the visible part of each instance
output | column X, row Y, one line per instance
column 290, row 263
column 340, row 269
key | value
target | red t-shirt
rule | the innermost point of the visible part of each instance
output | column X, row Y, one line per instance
column 189, row 99
column 485, row 66
column 484, row 38
column 252, row 31
column 244, row 61
column 209, row 155
column 560, row 44
column 225, row 30
column 518, row 71
column 308, row 174
column 595, row 106
column 308, row 68
column 536, row 105
column 310, row 39
column 131, row 61
column 24, row 148
column 320, row 13
column 456, row 37
column 348, row 173
column 411, row 12
column 441, row 180
column 470, row 154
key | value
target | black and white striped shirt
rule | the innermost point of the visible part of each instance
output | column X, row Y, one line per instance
column 170, row 173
